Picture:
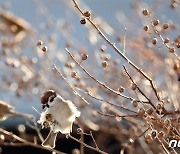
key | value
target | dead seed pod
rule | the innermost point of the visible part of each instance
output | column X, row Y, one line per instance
column 39, row 43
column 141, row 112
column 80, row 131
column 148, row 139
column 149, row 111
column 134, row 103
column 161, row 135
column 178, row 45
column 154, row 133
column 174, row 4
column 84, row 56
column 166, row 40
column 121, row 89
column 73, row 74
column 103, row 48
column 133, row 86
column 154, row 41
column 104, row 64
column 83, row 21
column 44, row 49
column 166, row 26
column 159, row 106
column 145, row 12
column 146, row 28
column 155, row 22
column 172, row 50
column 87, row 14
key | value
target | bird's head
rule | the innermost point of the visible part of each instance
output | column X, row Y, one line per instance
column 47, row 97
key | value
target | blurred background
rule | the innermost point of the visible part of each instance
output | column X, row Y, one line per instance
column 25, row 73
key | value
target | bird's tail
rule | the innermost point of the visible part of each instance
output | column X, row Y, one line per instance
column 49, row 142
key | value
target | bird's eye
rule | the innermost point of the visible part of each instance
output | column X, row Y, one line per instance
column 51, row 99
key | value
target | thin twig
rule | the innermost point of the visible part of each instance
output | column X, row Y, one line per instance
column 163, row 146
column 138, row 88
column 86, row 145
column 35, row 127
column 82, row 140
column 101, row 100
column 142, row 133
column 124, row 45
column 94, row 140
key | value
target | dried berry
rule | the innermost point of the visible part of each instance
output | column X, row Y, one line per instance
column 159, row 106
column 148, row 139
column 154, row 133
column 154, row 41
column 149, row 111
column 133, row 86
column 172, row 50
column 83, row 21
column 44, row 49
column 166, row 40
column 166, row 26
column 104, row 64
column 84, row 56
column 103, row 48
column 161, row 135
column 145, row 12
column 121, row 89
column 73, row 74
column 155, row 22
column 87, row 14
column 79, row 131
column 178, row 45
column 146, row 28
column 141, row 112
column 134, row 103
column 39, row 43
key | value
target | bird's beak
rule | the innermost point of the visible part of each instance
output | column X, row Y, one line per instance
column 43, row 106
column 49, row 142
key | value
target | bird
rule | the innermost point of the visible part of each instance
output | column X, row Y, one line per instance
column 6, row 110
column 59, row 116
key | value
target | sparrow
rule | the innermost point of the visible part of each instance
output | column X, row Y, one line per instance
column 59, row 116
column 7, row 110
